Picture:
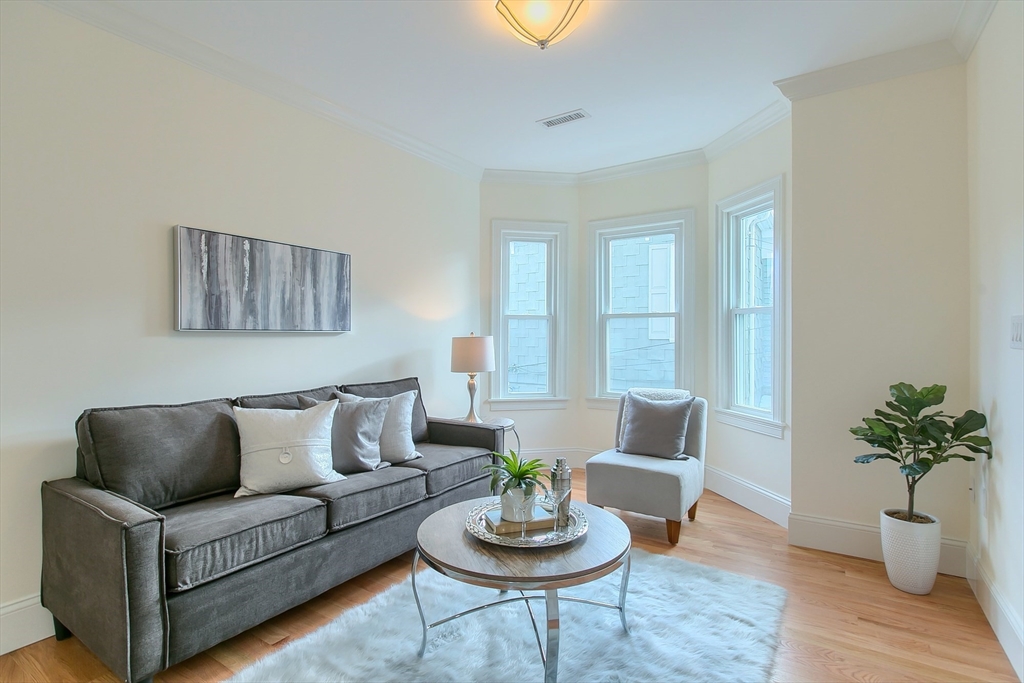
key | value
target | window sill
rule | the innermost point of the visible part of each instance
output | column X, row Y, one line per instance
column 548, row 403
column 602, row 403
column 750, row 422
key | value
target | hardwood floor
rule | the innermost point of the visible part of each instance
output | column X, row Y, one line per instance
column 843, row 621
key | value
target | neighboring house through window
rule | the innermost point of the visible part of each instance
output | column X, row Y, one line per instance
column 750, row 325
column 641, row 324
column 528, row 323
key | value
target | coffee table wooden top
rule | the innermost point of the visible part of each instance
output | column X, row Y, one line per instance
column 446, row 545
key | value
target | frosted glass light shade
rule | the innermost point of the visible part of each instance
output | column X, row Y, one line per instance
column 472, row 354
column 542, row 22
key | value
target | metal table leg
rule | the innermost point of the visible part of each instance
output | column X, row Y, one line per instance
column 551, row 654
column 622, row 594
column 419, row 607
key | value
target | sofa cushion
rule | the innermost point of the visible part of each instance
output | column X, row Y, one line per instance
column 285, row 401
column 393, row 388
column 161, row 455
column 366, row 495
column 210, row 538
column 448, row 466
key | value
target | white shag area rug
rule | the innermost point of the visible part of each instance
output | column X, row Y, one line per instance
column 687, row 622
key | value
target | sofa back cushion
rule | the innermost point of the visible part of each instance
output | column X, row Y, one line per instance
column 393, row 388
column 161, row 455
column 285, row 401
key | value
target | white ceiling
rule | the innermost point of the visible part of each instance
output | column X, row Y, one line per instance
column 657, row 77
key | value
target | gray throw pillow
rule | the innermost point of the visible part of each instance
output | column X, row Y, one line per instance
column 656, row 428
column 355, row 436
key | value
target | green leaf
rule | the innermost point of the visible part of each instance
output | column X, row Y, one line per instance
column 878, row 427
column 902, row 390
column 971, row 421
column 897, row 407
column 891, row 417
column 933, row 395
column 917, row 469
column 871, row 457
column 977, row 440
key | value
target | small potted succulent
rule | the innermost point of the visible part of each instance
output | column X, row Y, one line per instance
column 911, row 539
column 518, row 480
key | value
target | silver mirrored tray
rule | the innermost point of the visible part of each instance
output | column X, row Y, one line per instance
column 476, row 524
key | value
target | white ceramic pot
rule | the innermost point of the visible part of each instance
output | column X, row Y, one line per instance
column 911, row 552
column 510, row 509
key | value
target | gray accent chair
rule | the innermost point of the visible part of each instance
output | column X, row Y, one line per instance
column 648, row 485
column 149, row 559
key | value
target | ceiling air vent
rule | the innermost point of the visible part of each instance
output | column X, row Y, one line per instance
column 562, row 119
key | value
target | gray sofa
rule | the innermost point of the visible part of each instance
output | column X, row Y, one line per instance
column 149, row 559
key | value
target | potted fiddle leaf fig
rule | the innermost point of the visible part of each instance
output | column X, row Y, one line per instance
column 518, row 480
column 917, row 443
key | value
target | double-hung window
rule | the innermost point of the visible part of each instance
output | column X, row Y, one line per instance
column 529, row 313
column 750, row 325
column 641, row 321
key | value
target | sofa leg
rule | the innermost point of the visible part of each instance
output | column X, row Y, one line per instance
column 692, row 512
column 60, row 630
column 148, row 679
column 673, row 530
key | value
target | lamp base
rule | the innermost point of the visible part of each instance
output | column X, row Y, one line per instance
column 471, row 416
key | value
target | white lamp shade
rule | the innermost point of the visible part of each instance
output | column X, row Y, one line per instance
column 472, row 354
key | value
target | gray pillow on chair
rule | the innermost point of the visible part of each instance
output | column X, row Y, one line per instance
column 656, row 428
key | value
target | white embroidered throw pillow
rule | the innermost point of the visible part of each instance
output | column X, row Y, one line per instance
column 283, row 450
column 396, row 443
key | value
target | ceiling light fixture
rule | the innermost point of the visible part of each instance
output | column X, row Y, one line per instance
column 542, row 22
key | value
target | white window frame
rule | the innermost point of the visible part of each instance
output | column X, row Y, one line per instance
column 681, row 223
column 555, row 235
column 728, row 214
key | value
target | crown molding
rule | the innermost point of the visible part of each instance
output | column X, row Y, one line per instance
column 871, row 70
column 669, row 162
column 495, row 175
column 666, row 163
column 132, row 27
column 974, row 15
column 758, row 123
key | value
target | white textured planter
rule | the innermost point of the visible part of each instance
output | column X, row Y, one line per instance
column 911, row 552
column 509, row 512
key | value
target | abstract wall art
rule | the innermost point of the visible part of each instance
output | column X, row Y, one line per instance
column 227, row 282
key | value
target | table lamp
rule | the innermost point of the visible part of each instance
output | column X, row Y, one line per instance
column 471, row 355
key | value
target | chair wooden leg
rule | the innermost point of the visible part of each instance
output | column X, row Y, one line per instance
column 673, row 530
column 692, row 512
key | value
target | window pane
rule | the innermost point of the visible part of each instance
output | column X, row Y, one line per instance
column 641, row 274
column 753, row 373
column 756, row 255
column 527, row 278
column 637, row 360
column 528, row 356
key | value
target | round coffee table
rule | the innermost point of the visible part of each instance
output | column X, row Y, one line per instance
column 445, row 546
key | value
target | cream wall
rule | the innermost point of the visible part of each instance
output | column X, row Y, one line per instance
column 105, row 146
column 880, row 293
column 681, row 188
column 581, row 430
column 995, row 144
column 761, row 460
column 544, row 433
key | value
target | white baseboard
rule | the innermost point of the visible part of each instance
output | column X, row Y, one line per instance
column 1008, row 626
column 766, row 503
column 862, row 540
column 576, row 457
column 23, row 622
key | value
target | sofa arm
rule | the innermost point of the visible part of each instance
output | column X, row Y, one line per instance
column 459, row 433
column 103, row 575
